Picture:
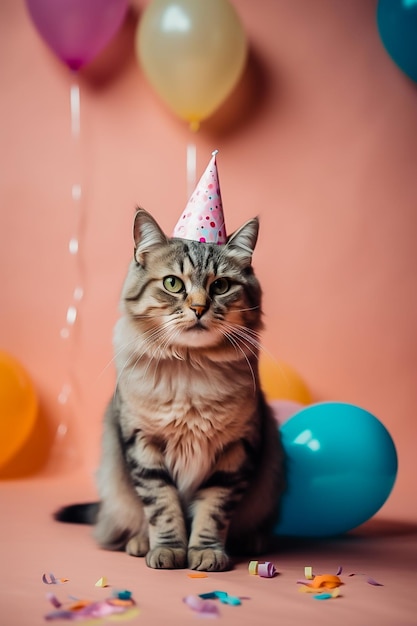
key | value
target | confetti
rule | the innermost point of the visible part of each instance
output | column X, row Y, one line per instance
column 122, row 595
column 77, row 605
column 212, row 595
column 204, row 602
column 204, row 607
column 324, row 586
column 306, row 589
column 266, row 570
column 326, row 580
column 119, row 602
column 60, row 615
column 53, row 580
column 102, row 582
column 223, row 596
column 369, row 580
column 308, row 572
column 232, row 600
column 327, row 595
column 327, row 585
column 197, row 575
column 54, row 600
column 85, row 609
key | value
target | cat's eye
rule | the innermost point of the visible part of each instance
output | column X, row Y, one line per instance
column 220, row 286
column 173, row 284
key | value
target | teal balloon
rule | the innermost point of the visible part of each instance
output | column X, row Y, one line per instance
column 397, row 26
column 341, row 468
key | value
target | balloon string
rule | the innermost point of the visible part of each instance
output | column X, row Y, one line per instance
column 191, row 168
column 70, row 330
column 75, row 109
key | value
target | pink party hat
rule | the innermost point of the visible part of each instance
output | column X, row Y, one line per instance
column 203, row 219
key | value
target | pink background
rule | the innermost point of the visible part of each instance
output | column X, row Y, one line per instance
column 319, row 139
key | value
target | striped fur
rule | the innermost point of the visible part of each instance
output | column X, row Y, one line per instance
column 192, row 463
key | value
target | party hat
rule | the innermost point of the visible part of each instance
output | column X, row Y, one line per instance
column 203, row 219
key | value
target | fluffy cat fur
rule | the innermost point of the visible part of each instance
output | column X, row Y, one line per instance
column 192, row 462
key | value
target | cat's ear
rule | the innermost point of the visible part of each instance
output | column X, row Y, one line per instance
column 243, row 240
column 147, row 234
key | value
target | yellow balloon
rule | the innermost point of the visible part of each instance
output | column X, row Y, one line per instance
column 193, row 53
column 281, row 382
column 18, row 407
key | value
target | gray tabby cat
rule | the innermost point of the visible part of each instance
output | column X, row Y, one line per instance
column 192, row 463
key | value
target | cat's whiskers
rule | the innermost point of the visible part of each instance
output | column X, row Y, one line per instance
column 171, row 332
column 113, row 359
column 255, row 335
column 250, row 308
column 147, row 316
column 133, row 341
column 256, row 340
column 157, row 355
column 151, row 344
column 156, row 347
column 240, row 333
column 243, row 347
column 268, row 353
column 234, row 341
column 148, row 338
column 261, row 348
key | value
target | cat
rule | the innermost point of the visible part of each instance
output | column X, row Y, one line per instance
column 192, row 466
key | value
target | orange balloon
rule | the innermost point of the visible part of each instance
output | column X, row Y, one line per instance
column 18, row 407
column 281, row 382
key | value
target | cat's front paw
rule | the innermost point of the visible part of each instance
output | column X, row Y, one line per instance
column 208, row 559
column 138, row 545
column 162, row 557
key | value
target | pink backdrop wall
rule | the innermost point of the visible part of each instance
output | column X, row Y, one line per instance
column 319, row 139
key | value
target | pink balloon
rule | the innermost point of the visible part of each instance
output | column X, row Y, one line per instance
column 284, row 409
column 77, row 30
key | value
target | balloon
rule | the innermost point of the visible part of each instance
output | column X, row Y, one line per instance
column 193, row 53
column 18, row 407
column 397, row 25
column 77, row 30
column 281, row 382
column 284, row 409
column 341, row 468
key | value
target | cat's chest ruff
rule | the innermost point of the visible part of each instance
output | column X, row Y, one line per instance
column 195, row 414
column 171, row 392
column 184, row 408
column 189, row 441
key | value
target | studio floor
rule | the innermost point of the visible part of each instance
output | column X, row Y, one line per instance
column 33, row 544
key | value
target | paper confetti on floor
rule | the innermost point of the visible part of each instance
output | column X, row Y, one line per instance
column 265, row 570
column 53, row 580
column 327, row 586
column 205, row 603
column 120, row 603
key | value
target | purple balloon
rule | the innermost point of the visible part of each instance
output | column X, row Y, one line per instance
column 77, row 30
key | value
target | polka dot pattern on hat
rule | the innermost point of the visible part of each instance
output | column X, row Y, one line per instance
column 203, row 218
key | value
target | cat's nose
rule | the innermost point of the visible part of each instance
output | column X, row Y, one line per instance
column 199, row 309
